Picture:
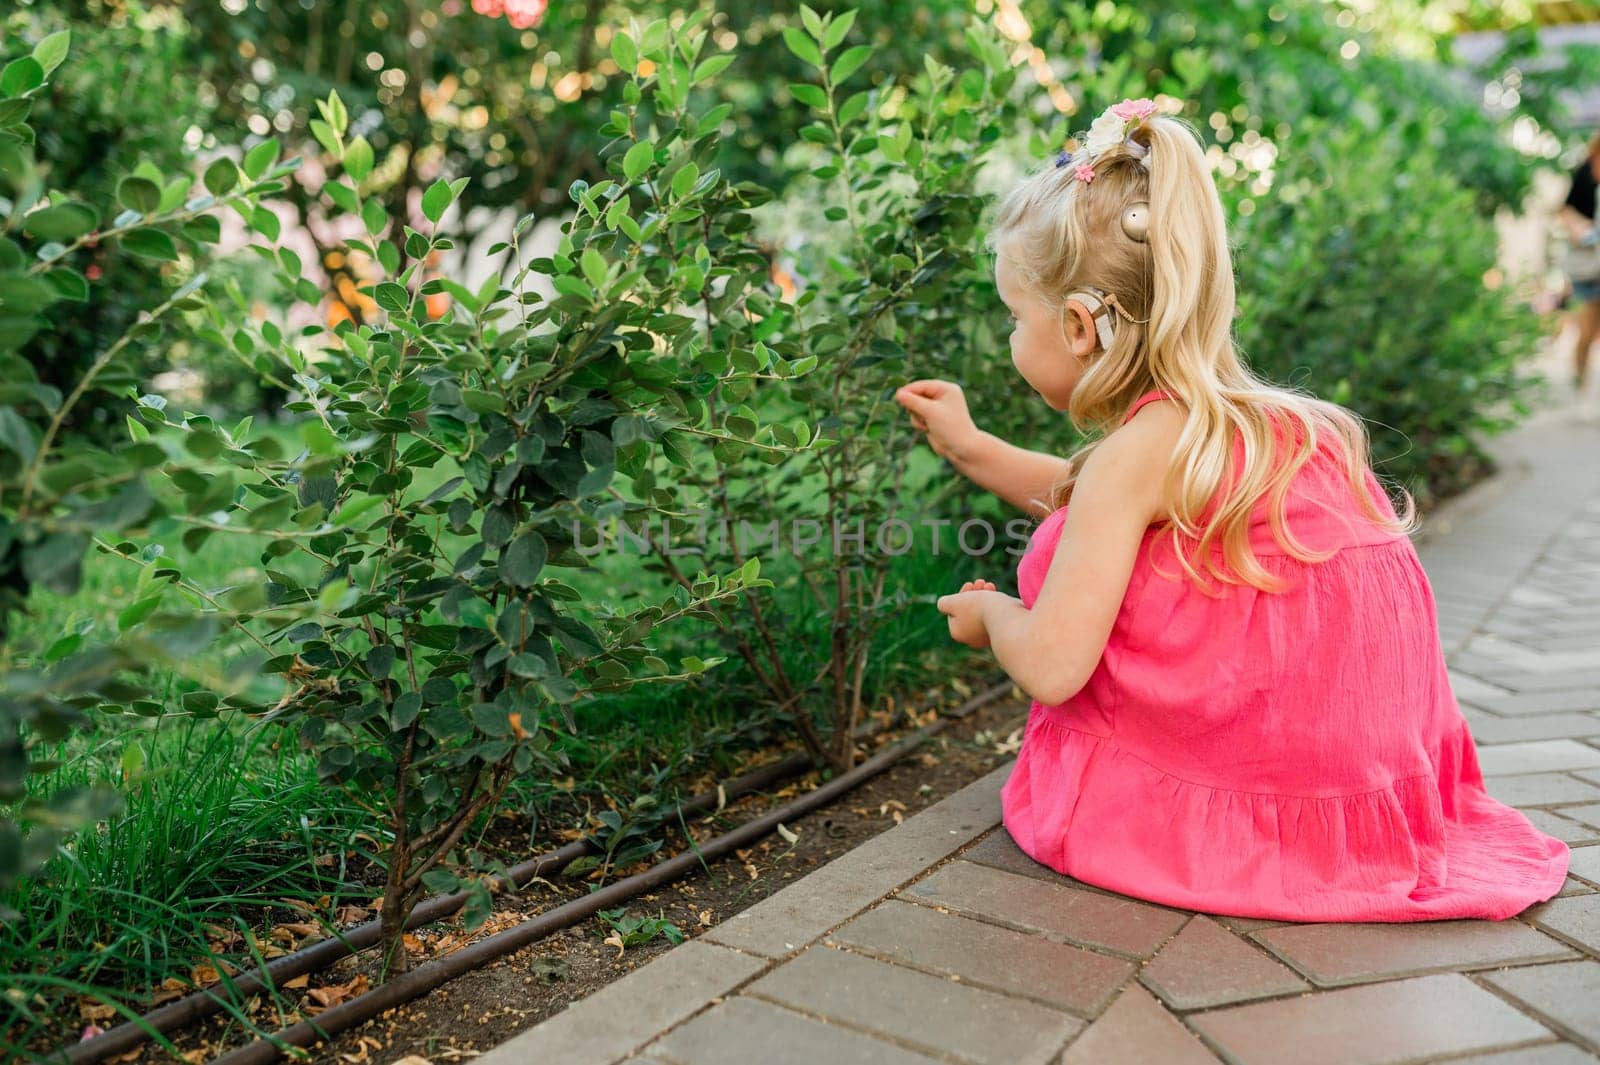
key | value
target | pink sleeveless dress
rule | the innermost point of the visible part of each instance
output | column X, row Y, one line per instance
column 1295, row 755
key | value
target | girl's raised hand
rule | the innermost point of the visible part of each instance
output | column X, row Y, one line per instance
column 939, row 408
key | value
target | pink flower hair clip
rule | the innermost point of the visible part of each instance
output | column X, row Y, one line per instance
column 1112, row 128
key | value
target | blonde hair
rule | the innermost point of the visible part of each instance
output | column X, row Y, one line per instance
column 1178, row 289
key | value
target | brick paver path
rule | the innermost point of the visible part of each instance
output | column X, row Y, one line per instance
column 940, row 941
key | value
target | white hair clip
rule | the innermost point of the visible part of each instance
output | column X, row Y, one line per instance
column 1111, row 129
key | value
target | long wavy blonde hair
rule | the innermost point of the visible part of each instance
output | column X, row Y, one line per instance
column 1060, row 233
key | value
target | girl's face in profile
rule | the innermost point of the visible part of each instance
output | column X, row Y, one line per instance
column 1045, row 359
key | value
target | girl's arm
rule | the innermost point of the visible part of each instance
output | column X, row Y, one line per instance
column 1015, row 474
column 939, row 408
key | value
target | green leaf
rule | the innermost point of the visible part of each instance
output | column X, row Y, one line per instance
column 437, row 200
column 849, row 62
column 70, row 284
column 811, row 20
column 205, row 229
column 521, row 562
column 392, row 298
column 837, row 29
column 405, row 709
column 338, row 117
column 64, row 221
column 568, row 285
column 341, row 194
column 490, row 719
column 265, row 222
column 353, row 509
column 711, row 67
column 63, row 647
column 624, row 52
column 358, row 159
column 810, row 95
column 683, row 181
column 327, row 138
column 138, row 194
column 21, row 76
column 258, row 159
column 852, row 108
column 137, row 612
column 594, row 267
column 51, row 50
column 56, row 562
column 18, row 434
column 22, row 294
column 150, row 244
column 639, row 159
column 374, row 216
column 133, row 761
column 221, row 176
column 802, row 46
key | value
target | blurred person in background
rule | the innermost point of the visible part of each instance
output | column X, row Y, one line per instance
column 1582, row 263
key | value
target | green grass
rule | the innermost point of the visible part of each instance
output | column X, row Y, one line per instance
column 217, row 826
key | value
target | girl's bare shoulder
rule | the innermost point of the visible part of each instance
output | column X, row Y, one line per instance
column 1141, row 451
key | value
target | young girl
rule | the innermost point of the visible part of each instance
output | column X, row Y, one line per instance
column 1240, row 702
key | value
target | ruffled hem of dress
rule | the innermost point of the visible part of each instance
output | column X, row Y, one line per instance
column 1427, row 847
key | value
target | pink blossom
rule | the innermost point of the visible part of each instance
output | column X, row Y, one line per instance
column 492, row 8
column 1127, row 110
column 1085, row 173
column 525, row 13
column 450, row 7
column 91, row 1031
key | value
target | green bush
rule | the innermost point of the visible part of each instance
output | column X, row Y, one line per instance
column 1362, row 278
column 64, row 486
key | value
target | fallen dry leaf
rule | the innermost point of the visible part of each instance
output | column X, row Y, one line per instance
column 206, row 973
column 331, row 996
column 615, row 940
column 90, row 1010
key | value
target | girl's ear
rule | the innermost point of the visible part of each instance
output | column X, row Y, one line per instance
column 1081, row 337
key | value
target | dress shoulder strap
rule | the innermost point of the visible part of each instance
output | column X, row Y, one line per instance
column 1152, row 395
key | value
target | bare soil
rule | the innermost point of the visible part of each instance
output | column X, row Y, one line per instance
column 483, row 1008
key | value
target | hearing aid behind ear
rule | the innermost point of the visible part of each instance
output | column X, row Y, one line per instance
column 1093, row 300
column 1136, row 222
